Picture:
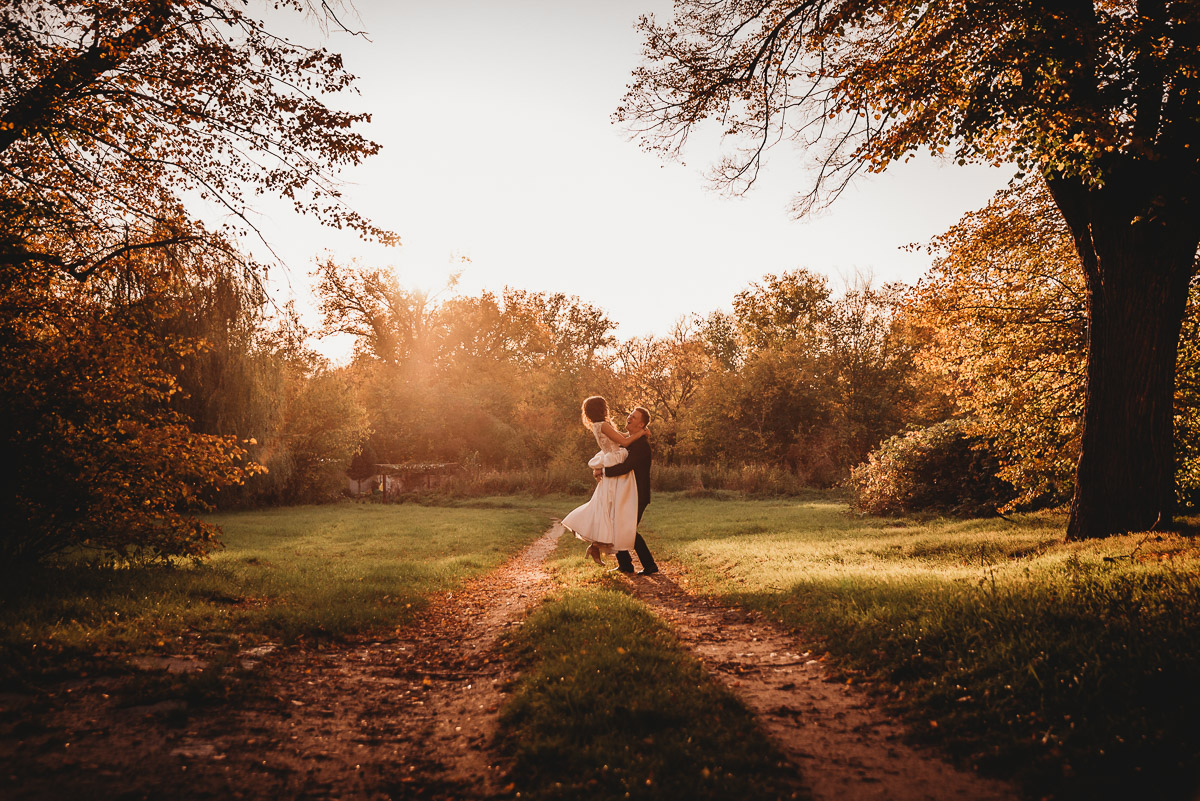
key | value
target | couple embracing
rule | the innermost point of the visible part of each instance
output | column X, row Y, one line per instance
column 609, row 521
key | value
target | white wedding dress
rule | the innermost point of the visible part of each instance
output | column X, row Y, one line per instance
column 609, row 519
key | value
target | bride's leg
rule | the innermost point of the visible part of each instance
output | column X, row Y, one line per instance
column 594, row 552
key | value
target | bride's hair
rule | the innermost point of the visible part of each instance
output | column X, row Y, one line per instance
column 595, row 410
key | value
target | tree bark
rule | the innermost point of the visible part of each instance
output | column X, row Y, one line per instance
column 1138, row 249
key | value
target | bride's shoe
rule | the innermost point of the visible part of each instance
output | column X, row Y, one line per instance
column 594, row 552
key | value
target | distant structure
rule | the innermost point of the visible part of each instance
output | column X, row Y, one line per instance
column 362, row 486
column 394, row 479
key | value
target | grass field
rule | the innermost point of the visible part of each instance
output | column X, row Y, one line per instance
column 611, row 706
column 1069, row 667
column 284, row 574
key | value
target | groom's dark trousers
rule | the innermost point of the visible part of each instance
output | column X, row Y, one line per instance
column 638, row 462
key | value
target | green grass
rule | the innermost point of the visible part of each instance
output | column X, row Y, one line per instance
column 1071, row 668
column 610, row 706
column 284, row 575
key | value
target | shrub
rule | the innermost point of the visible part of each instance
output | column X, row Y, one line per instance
column 943, row 468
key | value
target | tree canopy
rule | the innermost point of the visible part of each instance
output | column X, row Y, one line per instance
column 1101, row 99
column 1069, row 88
column 113, row 114
column 129, row 322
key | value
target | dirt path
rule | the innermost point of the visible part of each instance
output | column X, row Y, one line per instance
column 410, row 717
column 414, row 716
column 845, row 747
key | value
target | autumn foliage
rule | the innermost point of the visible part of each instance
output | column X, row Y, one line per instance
column 146, row 376
column 121, row 124
column 796, row 377
column 1099, row 100
column 1006, row 305
column 114, row 111
column 94, row 454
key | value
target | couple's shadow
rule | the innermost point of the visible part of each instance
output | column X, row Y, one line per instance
column 655, row 584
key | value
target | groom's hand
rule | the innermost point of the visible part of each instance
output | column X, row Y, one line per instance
column 598, row 473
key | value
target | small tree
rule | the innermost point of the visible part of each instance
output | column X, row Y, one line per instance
column 1007, row 302
column 364, row 464
column 324, row 427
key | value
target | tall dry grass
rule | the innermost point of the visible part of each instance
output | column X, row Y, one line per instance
column 757, row 480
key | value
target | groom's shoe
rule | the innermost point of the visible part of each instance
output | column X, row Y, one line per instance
column 650, row 571
column 626, row 570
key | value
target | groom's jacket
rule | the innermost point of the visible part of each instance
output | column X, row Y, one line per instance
column 639, row 462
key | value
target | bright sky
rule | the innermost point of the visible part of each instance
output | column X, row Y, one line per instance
column 498, row 146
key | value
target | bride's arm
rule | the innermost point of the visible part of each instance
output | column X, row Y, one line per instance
column 616, row 436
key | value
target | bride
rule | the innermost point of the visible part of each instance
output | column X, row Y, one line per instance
column 608, row 522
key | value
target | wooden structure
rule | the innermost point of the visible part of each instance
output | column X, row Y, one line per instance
column 394, row 479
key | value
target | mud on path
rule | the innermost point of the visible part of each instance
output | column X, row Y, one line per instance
column 844, row 746
column 407, row 717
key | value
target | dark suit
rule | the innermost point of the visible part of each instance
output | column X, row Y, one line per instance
column 638, row 462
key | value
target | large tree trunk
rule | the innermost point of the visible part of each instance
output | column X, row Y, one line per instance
column 1125, row 478
column 1138, row 258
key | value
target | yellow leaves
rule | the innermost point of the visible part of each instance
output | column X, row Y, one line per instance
column 1005, row 303
column 171, row 105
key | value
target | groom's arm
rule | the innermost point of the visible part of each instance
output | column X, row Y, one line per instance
column 638, row 456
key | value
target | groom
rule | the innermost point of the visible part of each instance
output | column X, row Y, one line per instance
column 639, row 462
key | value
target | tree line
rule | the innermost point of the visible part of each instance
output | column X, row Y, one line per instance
column 145, row 378
column 793, row 375
column 174, row 384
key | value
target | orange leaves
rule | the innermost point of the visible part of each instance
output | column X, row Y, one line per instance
column 1006, row 305
column 104, row 458
column 1003, row 83
column 153, row 103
